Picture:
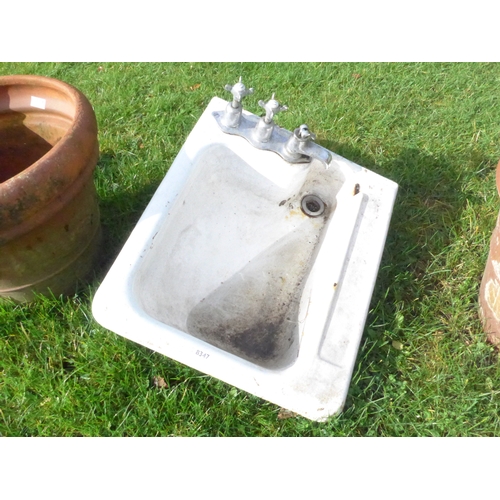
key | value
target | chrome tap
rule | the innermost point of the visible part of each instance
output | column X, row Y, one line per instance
column 301, row 143
column 264, row 127
column 264, row 134
column 234, row 109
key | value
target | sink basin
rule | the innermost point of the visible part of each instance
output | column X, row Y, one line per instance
column 254, row 270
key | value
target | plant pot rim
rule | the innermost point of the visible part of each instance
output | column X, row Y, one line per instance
column 68, row 164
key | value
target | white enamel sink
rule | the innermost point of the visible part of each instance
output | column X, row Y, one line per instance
column 225, row 273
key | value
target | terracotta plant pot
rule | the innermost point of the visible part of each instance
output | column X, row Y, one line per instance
column 49, row 214
column 489, row 293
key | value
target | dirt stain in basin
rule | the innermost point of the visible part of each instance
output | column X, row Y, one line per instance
column 254, row 313
column 259, row 340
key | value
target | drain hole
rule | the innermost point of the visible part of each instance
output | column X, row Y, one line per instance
column 312, row 205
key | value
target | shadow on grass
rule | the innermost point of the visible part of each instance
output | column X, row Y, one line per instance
column 120, row 209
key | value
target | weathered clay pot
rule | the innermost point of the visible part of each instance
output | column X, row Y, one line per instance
column 49, row 214
column 489, row 293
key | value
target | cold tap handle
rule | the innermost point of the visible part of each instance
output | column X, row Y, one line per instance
column 272, row 107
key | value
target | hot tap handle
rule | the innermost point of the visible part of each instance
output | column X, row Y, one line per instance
column 239, row 91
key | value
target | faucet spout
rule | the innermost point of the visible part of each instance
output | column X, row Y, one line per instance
column 301, row 144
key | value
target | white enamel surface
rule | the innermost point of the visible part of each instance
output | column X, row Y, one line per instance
column 219, row 216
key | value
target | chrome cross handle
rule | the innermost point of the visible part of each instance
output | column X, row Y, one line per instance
column 272, row 107
column 239, row 91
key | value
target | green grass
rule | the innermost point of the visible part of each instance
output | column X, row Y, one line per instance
column 424, row 367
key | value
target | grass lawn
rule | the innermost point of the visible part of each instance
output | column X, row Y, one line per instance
column 423, row 368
